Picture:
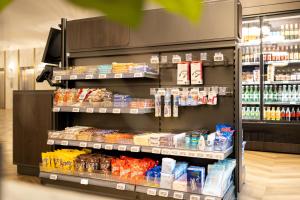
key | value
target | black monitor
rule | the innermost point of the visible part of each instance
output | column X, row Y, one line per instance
column 52, row 53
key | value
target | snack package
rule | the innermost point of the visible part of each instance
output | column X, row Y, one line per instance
column 212, row 98
column 181, row 183
column 180, row 169
column 195, row 178
column 224, row 137
column 166, row 180
column 196, row 73
column 183, row 73
column 168, row 165
column 202, row 97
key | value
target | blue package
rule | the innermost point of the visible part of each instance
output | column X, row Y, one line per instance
column 195, row 178
column 180, row 169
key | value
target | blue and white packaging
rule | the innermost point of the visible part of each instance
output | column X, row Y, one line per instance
column 195, row 178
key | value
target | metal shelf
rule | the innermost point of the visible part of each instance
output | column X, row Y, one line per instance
column 280, row 41
column 274, row 83
column 102, row 110
column 105, row 76
column 250, row 64
column 269, row 122
column 216, row 155
column 282, row 103
column 250, row 103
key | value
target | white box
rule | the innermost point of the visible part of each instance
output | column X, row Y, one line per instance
column 183, row 73
column 196, row 73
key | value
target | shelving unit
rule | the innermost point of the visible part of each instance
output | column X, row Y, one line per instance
column 113, row 110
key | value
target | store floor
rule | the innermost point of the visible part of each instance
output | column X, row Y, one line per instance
column 269, row 176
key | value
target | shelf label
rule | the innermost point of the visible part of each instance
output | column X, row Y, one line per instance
column 183, row 153
column 102, row 110
column 188, row 57
column 57, row 78
column 151, row 191
column 121, row 186
column 218, row 57
column 135, row 149
column 203, row 56
column 195, row 197
column 134, row 111
column 156, row 150
column 208, row 155
column 176, row 59
column 50, row 142
column 219, row 156
column 73, row 77
column 108, row 147
column 90, row 110
column 75, row 109
column 163, row 193
column 164, row 59
column 200, row 155
column 118, row 76
column 97, row 146
column 84, row 181
column 138, row 75
column 192, row 154
column 64, row 142
column 210, row 198
column 174, row 152
column 56, row 109
column 53, row 177
column 154, row 60
column 166, row 151
column 116, row 111
column 89, row 76
column 122, row 148
column 83, row 144
column 178, row 195
column 102, row 76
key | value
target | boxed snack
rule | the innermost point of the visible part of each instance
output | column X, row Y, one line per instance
column 166, row 180
column 168, row 165
column 195, row 178
column 181, row 183
column 196, row 73
column 183, row 73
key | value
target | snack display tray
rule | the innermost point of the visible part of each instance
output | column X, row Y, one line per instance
column 102, row 110
column 216, row 155
column 135, row 188
column 105, row 76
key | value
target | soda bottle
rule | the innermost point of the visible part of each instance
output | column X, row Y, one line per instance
column 265, row 114
column 257, row 111
column 288, row 114
column 289, row 94
column 275, row 94
column 279, row 94
column 243, row 93
column 256, row 94
column 268, row 114
column 273, row 113
column 251, row 94
column 282, row 114
column 298, row 114
column 293, row 114
column 266, row 94
column 243, row 112
column 277, row 114
column 284, row 94
column 247, row 113
column 294, row 94
column 298, row 93
column 271, row 94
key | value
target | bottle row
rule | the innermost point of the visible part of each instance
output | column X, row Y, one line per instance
column 251, row 113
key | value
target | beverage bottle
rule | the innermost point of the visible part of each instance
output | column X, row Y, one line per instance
column 273, row 58
column 286, row 32
column 279, row 94
column 256, row 94
column 277, row 53
column 251, row 56
column 298, row 49
column 266, row 93
column 298, row 114
column 288, row 114
column 265, row 114
column 257, row 55
column 247, row 55
column 271, row 94
column 269, row 55
column 282, row 114
column 243, row 112
column 292, row 32
column 294, row 94
column 243, row 93
column 273, row 113
column 247, row 114
column 275, row 94
column 277, row 114
column 243, row 55
column 264, row 54
column 246, row 94
column 293, row 114
column 291, row 53
column 296, row 53
column 252, row 113
column 282, row 30
column 286, row 53
column 268, row 113
column 298, row 93
column 250, row 94
column 284, row 94
column 257, row 113
column 289, row 94
column 296, row 31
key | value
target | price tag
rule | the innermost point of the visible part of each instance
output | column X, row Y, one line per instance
column 89, row 76
column 176, row 59
column 151, row 191
column 161, row 92
column 183, row 153
column 102, row 76
column 108, row 147
column 218, row 57
column 50, row 142
column 192, row 154
column 134, row 111
column 90, row 110
column 156, row 150
column 166, row 151
column 210, row 198
column 121, row 186
column 178, row 195
column 53, row 177
column 69, row 137
column 83, row 144
column 175, row 92
column 75, row 109
column 57, row 78
column 135, row 149
column 163, row 193
column 203, row 56
column 122, row 148
column 219, row 156
column 56, row 109
column 102, row 110
column 201, row 155
column 118, row 75
column 84, row 181
column 97, row 146
column 188, row 57
column 195, row 197
column 73, row 77
column 208, row 155
column 174, row 152
column 116, row 111
column 138, row 75
column 64, row 142
column 154, row 60
column 164, row 59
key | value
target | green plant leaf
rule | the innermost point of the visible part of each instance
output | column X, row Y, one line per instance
column 191, row 9
column 128, row 12
column 4, row 3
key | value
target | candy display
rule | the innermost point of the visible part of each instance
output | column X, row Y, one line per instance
column 132, row 68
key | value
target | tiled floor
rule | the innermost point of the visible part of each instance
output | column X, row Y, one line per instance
column 269, row 176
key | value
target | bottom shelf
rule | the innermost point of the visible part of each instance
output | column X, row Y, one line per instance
column 229, row 195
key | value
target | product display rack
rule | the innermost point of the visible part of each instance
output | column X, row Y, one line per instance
column 114, row 110
column 227, row 110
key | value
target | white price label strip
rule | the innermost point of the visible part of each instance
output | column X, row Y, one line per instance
column 64, row 143
column 84, row 181
column 75, row 109
column 134, row 111
column 174, row 152
column 83, row 144
column 90, row 110
column 122, row 148
column 201, row 155
column 192, row 154
column 56, row 109
column 195, row 197
column 219, row 156
column 116, row 111
column 102, row 76
column 210, row 198
column 156, row 150
column 73, row 77
column 138, row 75
column 183, row 153
column 89, row 76
column 163, row 193
column 121, row 186
column 151, row 191
column 178, row 195
column 102, row 110
column 97, row 146
column 53, row 177
column 166, row 151
column 108, row 147
column 135, row 149
column 118, row 75
column 50, row 142
column 57, row 78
